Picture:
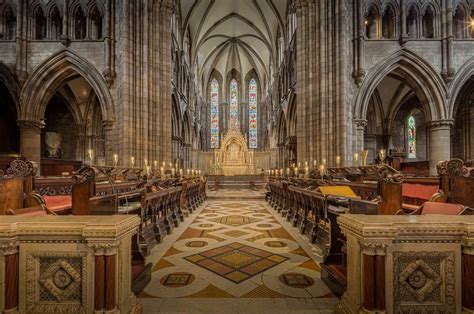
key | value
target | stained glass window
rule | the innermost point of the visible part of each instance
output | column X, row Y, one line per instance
column 411, row 137
column 234, row 105
column 253, row 113
column 214, row 114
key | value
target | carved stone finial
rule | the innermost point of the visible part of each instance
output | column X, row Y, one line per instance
column 85, row 174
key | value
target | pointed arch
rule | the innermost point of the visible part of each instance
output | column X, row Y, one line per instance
column 9, row 80
column 419, row 75
column 52, row 74
column 463, row 75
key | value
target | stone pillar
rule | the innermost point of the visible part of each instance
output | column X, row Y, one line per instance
column 30, row 140
column 110, row 147
column 439, row 143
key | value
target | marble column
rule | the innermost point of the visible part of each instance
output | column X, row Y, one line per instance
column 9, row 258
column 30, row 140
column 439, row 143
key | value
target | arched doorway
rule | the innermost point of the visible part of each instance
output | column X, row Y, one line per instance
column 69, row 87
column 463, row 132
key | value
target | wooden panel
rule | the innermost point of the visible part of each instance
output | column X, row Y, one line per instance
column 369, row 282
column 99, row 283
column 468, row 283
column 11, row 281
column 380, row 282
column 11, row 194
column 110, row 279
column 55, row 167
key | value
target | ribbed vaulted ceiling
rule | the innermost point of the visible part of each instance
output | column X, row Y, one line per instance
column 228, row 34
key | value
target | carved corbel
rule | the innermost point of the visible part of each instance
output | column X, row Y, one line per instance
column 374, row 247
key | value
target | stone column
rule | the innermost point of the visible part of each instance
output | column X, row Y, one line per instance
column 30, row 140
column 439, row 142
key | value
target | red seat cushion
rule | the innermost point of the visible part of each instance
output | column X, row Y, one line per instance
column 419, row 191
column 58, row 203
column 431, row 208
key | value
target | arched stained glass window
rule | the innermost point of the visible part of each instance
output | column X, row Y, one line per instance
column 214, row 114
column 253, row 113
column 411, row 128
column 234, row 105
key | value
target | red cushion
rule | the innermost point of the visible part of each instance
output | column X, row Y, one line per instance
column 58, row 203
column 432, row 208
column 419, row 191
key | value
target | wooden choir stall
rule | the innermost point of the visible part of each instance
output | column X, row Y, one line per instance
column 157, row 204
column 315, row 204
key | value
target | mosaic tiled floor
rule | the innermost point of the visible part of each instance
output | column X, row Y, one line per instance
column 236, row 249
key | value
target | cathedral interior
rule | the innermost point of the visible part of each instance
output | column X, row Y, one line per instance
column 250, row 156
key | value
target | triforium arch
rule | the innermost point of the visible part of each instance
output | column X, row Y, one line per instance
column 51, row 74
column 281, row 140
column 429, row 90
column 176, row 130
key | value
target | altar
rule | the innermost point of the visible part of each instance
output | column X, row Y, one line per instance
column 234, row 156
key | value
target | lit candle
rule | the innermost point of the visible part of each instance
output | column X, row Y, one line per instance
column 115, row 160
column 147, row 170
column 296, row 171
column 306, row 164
column 315, row 163
column 281, row 172
column 171, row 165
column 132, row 161
column 173, row 172
column 321, row 170
column 299, row 165
column 287, row 171
column 90, row 152
column 356, row 159
column 306, row 170
column 187, row 172
column 146, row 162
column 382, row 155
column 155, row 164
column 164, row 164
column 162, row 171
column 180, row 172
column 338, row 161
column 324, row 161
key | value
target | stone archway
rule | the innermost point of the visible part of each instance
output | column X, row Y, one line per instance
column 44, row 83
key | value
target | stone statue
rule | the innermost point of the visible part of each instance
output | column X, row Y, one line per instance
column 53, row 144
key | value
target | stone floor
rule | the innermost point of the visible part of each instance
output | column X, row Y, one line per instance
column 236, row 255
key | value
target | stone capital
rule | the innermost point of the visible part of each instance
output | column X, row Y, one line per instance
column 104, row 248
column 360, row 123
column 440, row 124
column 372, row 247
column 108, row 125
column 468, row 246
column 9, row 248
column 30, row 125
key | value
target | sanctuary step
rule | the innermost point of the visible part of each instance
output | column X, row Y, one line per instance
column 236, row 182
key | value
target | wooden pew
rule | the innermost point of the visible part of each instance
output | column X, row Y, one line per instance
column 16, row 193
column 456, row 182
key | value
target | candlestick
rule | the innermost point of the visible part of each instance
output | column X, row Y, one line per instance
column 315, row 163
column 299, row 165
column 306, row 164
column 306, row 170
column 164, row 164
column 132, row 161
column 90, row 153
column 321, row 170
column 324, row 161
column 281, row 172
column 162, row 170
column 338, row 161
column 356, row 159
column 181, row 172
column 382, row 155
column 155, row 164
column 288, row 171
column 115, row 160
column 148, row 168
column 146, row 162
column 173, row 172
